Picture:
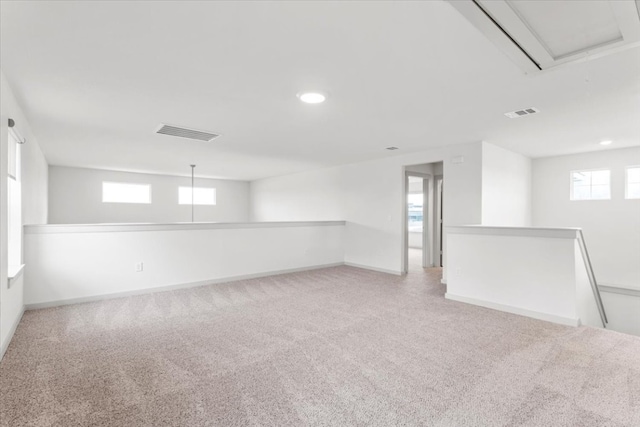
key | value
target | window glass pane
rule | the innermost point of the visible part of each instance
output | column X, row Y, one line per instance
column 118, row 192
column 581, row 193
column 633, row 174
column 14, row 234
column 633, row 190
column 600, row 178
column 14, row 206
column 201, row 196
column 581, row 178
column 13, row 156
column 599, row 192
column 415, row 212
column 591, row 185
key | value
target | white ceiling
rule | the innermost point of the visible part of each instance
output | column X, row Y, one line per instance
column 97, row 78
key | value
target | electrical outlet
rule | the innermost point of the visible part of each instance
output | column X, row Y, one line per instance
column 139, row 267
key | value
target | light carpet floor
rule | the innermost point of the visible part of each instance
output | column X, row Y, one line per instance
column 333, row 347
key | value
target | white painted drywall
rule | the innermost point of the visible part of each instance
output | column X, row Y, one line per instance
column 75, row 197
column 611, row 227
column 370, row 197
column 506, row 187
column 528, row 274
column 309, row 196
column 623, row 312
column 34, row 203
column 75, row 265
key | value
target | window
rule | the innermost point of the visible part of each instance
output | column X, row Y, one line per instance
column 14, row 232
column 415, row 212
column 201, row 196
column 591, row 185
column 632, row 187
column 119, row 192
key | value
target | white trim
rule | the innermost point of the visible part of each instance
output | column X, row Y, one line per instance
column 510, row 19
column 619, row 289
column 625, row 12
column 478, row 19
column 93, row 298
column 515, row 310
column 12, row 276
column 379, row 270
column 110, row 228
column 405, row 214
column 559, row 233
column 12, row 332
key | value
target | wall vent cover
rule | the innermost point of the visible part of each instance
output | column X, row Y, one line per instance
column 522, row 113
column 187, row 133
column 391, row 148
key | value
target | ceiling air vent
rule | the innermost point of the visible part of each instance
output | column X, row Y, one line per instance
column 187, row 133
column 522, row 113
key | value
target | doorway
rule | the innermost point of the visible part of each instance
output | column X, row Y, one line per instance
column 417, row 221
column 423, row 210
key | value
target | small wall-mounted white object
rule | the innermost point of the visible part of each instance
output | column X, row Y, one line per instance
column 457, row 159
column 139, row 267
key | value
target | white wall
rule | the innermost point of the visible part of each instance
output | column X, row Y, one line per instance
column 611, row 227
column 307, row 196
column 82, row 264
column 75, row 197
column 526, row 271
column 623, row 311
column 370, row 197
column 34, row 204
column 506, row 187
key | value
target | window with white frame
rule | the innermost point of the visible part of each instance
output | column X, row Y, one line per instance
column 415, row 211
column 121, row 192
column 591, row 185
column 632, row 183
column 201, row 196
column 14, row 231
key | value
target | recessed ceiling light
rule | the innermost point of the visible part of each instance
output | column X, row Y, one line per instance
column 607, row 142
column 312, row 97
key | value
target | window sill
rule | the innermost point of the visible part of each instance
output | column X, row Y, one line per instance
column 14, row 274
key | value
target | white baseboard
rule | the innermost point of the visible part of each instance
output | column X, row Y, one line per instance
column 93, row 298
column 515, row 310
column 5, row 344
column 368, row 267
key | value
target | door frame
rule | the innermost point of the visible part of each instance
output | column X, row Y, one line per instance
column 427, row 179
column 438, row 218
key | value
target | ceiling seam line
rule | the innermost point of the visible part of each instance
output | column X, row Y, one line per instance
column 507, row 34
